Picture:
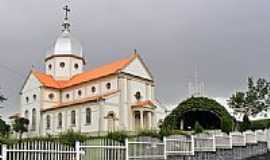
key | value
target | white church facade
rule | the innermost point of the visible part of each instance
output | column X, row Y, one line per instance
column 115, row 96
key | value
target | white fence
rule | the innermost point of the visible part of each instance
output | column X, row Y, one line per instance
column 238, row 139
column 204, row 143
column 250, row 137
column 180, row 145
column 223, row 141
column 139, row 148
column 38, row 150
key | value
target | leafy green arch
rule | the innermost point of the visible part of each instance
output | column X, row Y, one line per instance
column 199, row 104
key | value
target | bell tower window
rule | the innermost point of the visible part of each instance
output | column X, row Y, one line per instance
column 50, row 66
column 62, row 64
column 76, row 66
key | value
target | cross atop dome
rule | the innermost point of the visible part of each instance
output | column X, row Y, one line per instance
column 66, row 24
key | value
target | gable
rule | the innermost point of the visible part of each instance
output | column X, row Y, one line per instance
column 138, row 68
column 30, row 83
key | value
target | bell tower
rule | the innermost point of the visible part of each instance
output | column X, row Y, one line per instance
column 65, row 58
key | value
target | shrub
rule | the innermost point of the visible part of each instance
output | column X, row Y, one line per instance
column 70, row 137
column 198, row 128
column 149, row 133
column 118, row 136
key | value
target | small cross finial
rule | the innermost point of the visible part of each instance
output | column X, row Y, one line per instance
column 66, row 23
column 135, row 51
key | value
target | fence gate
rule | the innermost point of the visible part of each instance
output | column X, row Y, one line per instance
column 103, row 149
column 142, row 148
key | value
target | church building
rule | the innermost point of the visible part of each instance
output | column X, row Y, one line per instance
column 115, row 96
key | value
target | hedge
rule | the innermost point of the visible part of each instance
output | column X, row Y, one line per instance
column 199, row 103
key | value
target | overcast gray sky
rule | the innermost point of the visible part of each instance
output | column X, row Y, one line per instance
column 228, row 40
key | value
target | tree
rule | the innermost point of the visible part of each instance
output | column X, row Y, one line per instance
column 2, row 98
column 255, row 100
column 4, row 128
column 20, row 126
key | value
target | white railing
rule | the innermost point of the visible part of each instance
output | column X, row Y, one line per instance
column 261, row 136
column 250, row 137
column 223, row 141
column 180, row 145
column 134, row 148
column 238, row 139
column 146, row 147
column 104, row 149
column 38, row 150
column 204, row 143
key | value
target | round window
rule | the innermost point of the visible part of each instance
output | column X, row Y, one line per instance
column 51, row 96
column 67, row 96
column 76, row 66
column 62, row 64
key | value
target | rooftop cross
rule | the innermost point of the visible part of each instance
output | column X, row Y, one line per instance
column 66, row 23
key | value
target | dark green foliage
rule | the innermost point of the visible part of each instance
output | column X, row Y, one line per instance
column 70, row 137
column 20, row 126
column 4, row 129
column 149, row 133
column 172, row 121
column 198, row 128
column 260, row 124
column 246, row 124
column 118, row 136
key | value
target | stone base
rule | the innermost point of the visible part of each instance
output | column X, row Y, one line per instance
column 237, row 153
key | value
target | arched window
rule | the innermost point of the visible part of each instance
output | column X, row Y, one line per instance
column 108, row 86
column 50, row 66
column 27, row 99
column 79, row 92
column 60, row 120
column 138, row 96
column 34, row 96
column 111, row 121
column 48, row 122
column 88, row 116
column 73, row 118
column 34, row 119
column 26, row 114
column 67, row 96
column 93, row 89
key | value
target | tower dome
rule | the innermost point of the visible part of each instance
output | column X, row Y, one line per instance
column 66, row 44
column 65, row 59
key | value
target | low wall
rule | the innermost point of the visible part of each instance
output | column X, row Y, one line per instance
column 237, row 153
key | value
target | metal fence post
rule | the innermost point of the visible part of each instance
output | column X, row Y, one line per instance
column 77, row 148
column 192, row 145
column 126, row 150
column 165, row 147
column 4, row 152
column 214, row 143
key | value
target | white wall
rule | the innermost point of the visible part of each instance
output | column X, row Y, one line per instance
column 31, row 88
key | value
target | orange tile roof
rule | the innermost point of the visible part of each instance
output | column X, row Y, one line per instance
column 103, row 71
column 141, row 104
column 81, row 101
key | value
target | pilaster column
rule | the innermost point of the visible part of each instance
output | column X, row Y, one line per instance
column 141, row 119
column 149, row 116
